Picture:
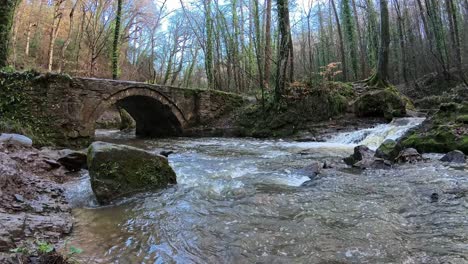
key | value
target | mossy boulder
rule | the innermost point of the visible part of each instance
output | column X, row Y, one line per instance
column 300, row 105
column 447, row 130
column 127, row 121
column 361, row 153
column 388, row 103
column 389, row 150
column 118, row 170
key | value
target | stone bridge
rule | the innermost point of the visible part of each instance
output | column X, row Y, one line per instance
column 69, row 107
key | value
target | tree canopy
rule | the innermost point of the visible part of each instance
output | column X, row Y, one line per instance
column 238, row 45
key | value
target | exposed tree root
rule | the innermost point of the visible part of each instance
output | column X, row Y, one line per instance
column 376, row 82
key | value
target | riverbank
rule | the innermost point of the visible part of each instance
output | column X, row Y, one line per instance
column 34, row 209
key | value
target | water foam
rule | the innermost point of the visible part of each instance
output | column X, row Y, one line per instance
column 373, row 137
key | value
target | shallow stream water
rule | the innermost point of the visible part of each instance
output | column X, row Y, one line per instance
column 243, row 201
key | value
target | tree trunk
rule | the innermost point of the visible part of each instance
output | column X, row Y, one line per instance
column 434, row 28
column 454, row 34
column 259, row 51
column 79, row 38
column 188, row 75
column 116, row 43
column 403, row 64
column 28, row 38
column 372, row 34
column 290, row 77
column 68, row 40
column 268, row 58
column 284, row 49
column 209, row 44
column 309, row 43
column 7, row 13
column 380, row 79
column 234, row 47
column 362, row 47
column 340, row 35
column 54, row 32
column 15, row 38
column 349, row 32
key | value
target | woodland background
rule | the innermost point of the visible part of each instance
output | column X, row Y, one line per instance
column 234, row 45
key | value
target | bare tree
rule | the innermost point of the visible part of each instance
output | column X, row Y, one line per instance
column 57, row 19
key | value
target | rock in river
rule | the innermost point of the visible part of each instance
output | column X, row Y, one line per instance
column 361, row 153
column 455, row 156
column 447, row 130
column 389, row 150
column 118, row 170
column 409, row 155
column 363, row 158
column 72, row 160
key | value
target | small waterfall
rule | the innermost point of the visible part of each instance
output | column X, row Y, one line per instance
column 373, row 137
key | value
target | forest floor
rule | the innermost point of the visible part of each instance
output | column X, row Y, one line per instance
column 34, row 209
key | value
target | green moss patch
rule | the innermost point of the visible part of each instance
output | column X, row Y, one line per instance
column 388, row 103
column 118, row 170
column 310, row 104
column 447, row 130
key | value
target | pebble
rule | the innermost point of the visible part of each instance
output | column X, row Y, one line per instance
column 19, row 198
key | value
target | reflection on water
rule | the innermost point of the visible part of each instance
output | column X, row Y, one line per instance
column 241, row 201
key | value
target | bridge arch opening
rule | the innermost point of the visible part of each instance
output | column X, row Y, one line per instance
column 154, row 114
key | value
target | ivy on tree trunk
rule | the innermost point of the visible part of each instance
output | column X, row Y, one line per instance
column 116, row 44
column 7, row 13
column 380, row 78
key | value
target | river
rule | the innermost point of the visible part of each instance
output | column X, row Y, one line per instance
column 245, row 201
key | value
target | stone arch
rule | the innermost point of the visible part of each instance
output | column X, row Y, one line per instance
column 155, row 114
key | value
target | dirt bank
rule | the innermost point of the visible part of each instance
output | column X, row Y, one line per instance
column 33, row 207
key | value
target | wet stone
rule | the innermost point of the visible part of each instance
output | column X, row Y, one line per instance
column 19, row 198
column 455, row 156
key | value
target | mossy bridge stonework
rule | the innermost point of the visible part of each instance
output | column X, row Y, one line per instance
column 69, row 107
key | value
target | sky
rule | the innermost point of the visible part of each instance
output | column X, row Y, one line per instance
column 175, row 4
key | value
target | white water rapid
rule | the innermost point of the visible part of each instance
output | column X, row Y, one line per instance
column 374, row 137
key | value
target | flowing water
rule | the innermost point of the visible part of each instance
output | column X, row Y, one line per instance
column 243, row 201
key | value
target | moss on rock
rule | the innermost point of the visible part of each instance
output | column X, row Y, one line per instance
column 388, row 103
column 314, row 104
column 443, row 132
column 389, row 150
column 127, row 122
column 118, row 170
column 462, row 119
